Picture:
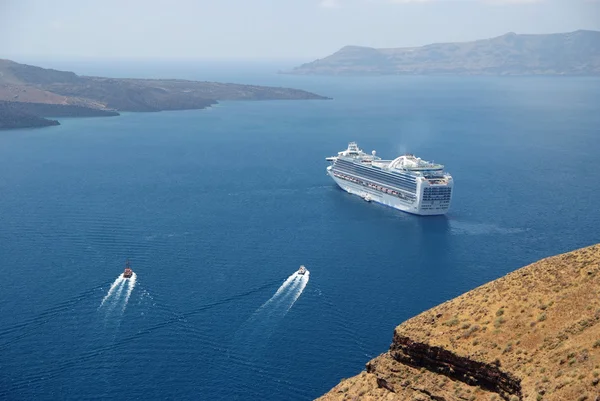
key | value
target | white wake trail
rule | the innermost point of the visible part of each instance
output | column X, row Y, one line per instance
column 253, row 336
column 285, row 297
column 285, row 284
column 116, row 299
column 112, row 289
column 297, row 290
column 282, row 291
column 131, row 286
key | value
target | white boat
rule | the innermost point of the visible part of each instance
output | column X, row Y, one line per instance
column 302, row 270
column 407, row 182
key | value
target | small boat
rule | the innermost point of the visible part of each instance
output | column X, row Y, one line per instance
column 128, row 272
column 302, row 270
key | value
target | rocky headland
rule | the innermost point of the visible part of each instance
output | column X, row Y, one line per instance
column 12, row 115
column 573, row 53
column 29, row 93
column 533, row 334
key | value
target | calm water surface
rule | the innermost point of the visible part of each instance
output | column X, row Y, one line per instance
column 217, row 208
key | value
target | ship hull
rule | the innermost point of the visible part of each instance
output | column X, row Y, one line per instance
column 384, row 198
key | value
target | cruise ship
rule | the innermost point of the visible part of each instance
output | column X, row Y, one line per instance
column 406, row 183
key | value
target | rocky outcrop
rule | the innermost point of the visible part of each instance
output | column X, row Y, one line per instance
column 12, row 116
column 59, row 110
column 32, row 115
column 456, row 367
column 531, row 335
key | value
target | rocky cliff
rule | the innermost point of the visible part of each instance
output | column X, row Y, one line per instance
column 531, row 335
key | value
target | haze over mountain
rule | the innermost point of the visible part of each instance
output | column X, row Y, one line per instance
column 574, row 53
column 34, row 30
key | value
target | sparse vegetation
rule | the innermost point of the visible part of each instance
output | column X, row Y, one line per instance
column 554, row 358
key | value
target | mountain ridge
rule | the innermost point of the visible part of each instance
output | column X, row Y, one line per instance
column 572, row 53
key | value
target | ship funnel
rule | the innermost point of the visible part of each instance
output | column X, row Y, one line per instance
column 373, row 153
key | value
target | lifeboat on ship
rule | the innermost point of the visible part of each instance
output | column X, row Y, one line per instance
column 128, row 272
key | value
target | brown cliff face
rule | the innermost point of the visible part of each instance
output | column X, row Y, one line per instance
column 531, row 335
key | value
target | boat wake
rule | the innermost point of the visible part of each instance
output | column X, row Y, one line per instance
column 118, row 294
column 251, row 339
column 117, row 283
column 285, row 297
column 130, row 287
column 255, row 332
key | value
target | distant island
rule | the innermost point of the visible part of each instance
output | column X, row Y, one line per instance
column 574, row 53
column 530, row 335
column 28, row 94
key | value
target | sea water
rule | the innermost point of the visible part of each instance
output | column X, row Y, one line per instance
column 216, row 209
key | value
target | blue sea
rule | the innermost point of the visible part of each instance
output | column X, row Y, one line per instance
column 216, row 209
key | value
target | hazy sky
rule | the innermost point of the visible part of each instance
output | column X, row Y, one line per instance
column 267, row 28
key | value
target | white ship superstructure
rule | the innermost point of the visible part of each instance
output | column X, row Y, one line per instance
column 406, row 183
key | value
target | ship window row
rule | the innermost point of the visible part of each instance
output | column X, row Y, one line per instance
column 399, row 175
column 436, row 199
column 377, row 181
column 401, row 182
column 412, row 185
column 405, row 197
column 443, row 191
column 387, row 175
column 441, row 196
column 436, row 191
column 402, row 186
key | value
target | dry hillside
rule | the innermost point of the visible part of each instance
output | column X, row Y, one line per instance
column 29, row 93
column 531, row 335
